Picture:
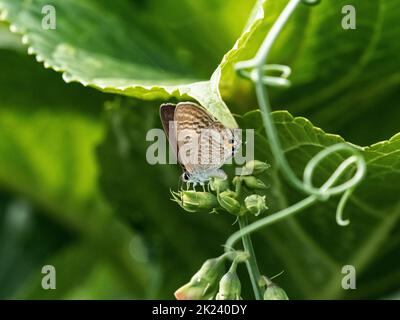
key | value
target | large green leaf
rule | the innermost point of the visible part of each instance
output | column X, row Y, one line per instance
column 171, row 56
column 156, row 49
column 343, row 80
column 311, row 248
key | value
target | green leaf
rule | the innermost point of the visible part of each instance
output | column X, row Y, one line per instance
column 173, row 56
column 352, row 75
column 343, row 80
column 311, row 248
column 260, row 21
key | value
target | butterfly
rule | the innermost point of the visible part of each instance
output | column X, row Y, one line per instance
column 202, row 144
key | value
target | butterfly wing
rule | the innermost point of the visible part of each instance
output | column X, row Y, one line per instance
column 167, row 111
column 190, row 120
column 218, row 145
column 200, row 143
column 212, row 142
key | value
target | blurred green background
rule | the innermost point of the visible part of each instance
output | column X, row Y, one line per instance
column 76, row 191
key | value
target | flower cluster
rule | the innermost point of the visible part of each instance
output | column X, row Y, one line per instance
column 210, row 282
column 240, row 200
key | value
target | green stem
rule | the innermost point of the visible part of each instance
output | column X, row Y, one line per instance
column 251, row 262
column 238, row 186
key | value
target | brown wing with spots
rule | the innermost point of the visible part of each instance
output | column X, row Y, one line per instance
column 217, row 146
column 203, row 144
column 167, row 112
column 190, row 120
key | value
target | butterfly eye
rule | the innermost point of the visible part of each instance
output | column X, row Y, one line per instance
column 185, row 177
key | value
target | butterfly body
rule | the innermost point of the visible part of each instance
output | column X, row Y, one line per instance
column 202, row 177
column 202, row 144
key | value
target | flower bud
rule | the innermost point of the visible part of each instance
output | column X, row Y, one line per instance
column 229, row 287
column 274, row 292
column 203, row 284
column 219, row 185
column 236, row 180
column 193, row 201
column 228, row 202
column 254, row 167
column 255, row 204
column 253, row 183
